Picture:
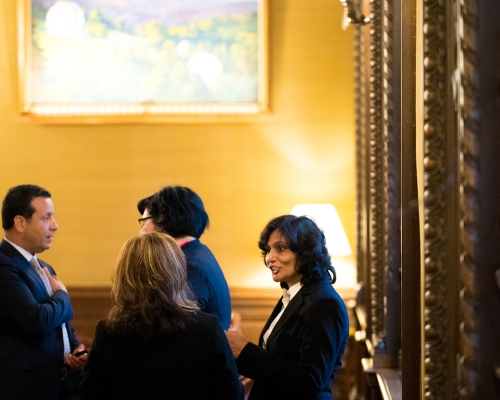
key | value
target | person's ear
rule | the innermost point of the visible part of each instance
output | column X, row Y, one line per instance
column 19, row 223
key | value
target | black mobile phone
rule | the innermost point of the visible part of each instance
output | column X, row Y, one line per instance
column 81, row 353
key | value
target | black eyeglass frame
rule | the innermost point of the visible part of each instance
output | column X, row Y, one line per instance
column 142, row 221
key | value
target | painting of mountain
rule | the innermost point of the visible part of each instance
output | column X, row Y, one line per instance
column 154, row 51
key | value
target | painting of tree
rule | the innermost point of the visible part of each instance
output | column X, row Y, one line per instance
column 145, row 52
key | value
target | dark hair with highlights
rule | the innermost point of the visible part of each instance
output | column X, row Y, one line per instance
column 307, row 241
column 177, row 210
column 150, row 293
column 18, row 200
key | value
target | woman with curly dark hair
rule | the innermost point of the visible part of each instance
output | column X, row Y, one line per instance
column 155, row 343
column 302, row 343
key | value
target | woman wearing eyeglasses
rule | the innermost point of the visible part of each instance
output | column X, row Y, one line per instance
column 179, row 211
column 155, row 343
column 302, row 343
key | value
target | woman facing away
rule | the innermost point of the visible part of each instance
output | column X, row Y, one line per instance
column 155, row 343
column 179, row 212
column 302, row 343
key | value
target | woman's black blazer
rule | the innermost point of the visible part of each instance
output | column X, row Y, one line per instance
column 304, row 349
column 197, row 364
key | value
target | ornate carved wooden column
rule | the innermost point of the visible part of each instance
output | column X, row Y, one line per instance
column 377, row 179
column 362, row 124
column 468, row 124
column 440, row 202
column 437, row 87
column 411, row 274
column 378, row 175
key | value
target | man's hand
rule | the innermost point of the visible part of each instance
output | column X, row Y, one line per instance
column 74, row 362
column 236, row 341
column 55, row 282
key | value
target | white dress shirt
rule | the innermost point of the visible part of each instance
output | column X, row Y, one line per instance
column 291, row 292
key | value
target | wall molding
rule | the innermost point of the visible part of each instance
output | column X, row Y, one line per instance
column 91, row 304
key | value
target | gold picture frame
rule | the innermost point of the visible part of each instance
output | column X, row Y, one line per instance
column 99, row 61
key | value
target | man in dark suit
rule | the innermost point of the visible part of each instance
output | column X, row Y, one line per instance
column 302, row 343
column 35, row 309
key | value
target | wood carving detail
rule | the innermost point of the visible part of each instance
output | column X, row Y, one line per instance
column 437, row 352
column 469, row 203
column 378, row 175
column 392, row 163
column 361, row 140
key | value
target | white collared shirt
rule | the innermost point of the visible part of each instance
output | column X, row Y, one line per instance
column 292, row 292
column 294, row 289
column 25, row 253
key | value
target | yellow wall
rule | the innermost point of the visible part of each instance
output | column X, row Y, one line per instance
column 246, row 173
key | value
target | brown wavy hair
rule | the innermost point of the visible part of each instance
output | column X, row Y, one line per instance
column 150, row 293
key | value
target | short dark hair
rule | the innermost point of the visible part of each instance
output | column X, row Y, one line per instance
column 307, row 241
column 18, row 200
column 177, row 210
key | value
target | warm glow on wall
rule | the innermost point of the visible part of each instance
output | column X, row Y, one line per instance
column 247, row 170
column 327, row 219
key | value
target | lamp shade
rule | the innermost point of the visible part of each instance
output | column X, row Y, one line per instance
column 327, row 219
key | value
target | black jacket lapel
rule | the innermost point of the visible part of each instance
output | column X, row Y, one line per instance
column 276, row 311
column 293, row 307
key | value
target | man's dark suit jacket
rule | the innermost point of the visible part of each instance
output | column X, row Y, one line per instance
column 304, row 349
column 205, row 277
column 31, row 343
column 195, row 364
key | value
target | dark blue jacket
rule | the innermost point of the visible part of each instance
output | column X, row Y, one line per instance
column 31, row 343
column 205, row 277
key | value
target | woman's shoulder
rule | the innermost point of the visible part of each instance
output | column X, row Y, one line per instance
column 101, row 325
column 102, row 329
column 204, row 324
column 323, row 294
column 320, row 288
column 203, row 318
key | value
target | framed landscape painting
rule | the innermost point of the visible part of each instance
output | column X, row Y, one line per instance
column 142, row 60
